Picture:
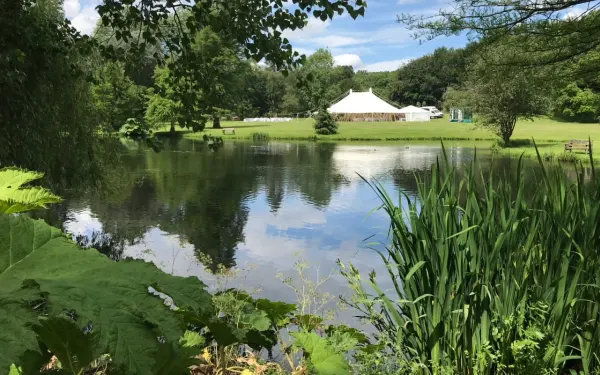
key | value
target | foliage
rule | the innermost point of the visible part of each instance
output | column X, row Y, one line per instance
column 577, row 104
column 515, row 281
column 545, row 33
column 134, row 128
column 115, row 97
column 382, row 83
column 123, row 320
column 16, row 198
column 162, row 110
column 325, row 122
column 503, row 95
column 319, row 82
column 257, row 30
column 44, row 99
column 425, row 79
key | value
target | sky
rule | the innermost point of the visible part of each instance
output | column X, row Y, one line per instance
column 375, row 42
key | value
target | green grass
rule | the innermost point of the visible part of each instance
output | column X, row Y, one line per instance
column 550, row 135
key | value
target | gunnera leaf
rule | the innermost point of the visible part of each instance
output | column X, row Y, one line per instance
column 322, row 356
column 108, row 299
column 16, row 198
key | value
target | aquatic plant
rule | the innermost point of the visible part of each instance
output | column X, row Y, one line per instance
column 486, row 281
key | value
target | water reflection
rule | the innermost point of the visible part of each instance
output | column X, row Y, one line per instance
column 247, row 204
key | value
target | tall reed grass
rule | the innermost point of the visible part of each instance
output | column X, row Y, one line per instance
column 488, row 279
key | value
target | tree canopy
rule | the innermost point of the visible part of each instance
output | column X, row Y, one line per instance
column 548, row 31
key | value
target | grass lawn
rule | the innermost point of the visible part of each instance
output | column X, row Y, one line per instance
column 550, row 135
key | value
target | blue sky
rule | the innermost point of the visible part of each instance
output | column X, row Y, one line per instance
column 374, row 42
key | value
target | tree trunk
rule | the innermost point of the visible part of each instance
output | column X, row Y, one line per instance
column 172, row 131
column 506, row 131
column 216, row 122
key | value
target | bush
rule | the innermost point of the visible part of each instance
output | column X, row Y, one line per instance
column 325, row 123
column 134, row 128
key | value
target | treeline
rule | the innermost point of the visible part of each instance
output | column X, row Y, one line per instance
column 242, row 88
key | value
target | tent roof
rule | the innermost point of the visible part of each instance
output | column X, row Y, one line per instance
column 413, row 109
column 362, row 102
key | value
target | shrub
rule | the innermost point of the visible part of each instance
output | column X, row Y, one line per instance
column 325, row 123
column 134, row 128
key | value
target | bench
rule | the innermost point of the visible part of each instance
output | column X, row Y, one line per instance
column 229, row 131
column 575, row 144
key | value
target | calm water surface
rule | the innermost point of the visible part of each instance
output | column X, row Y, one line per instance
column 258, row 208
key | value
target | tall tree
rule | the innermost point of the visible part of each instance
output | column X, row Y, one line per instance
column 424, row 80
column 45, row 104
column 320, row 82
column 115, row 96
column 220, row 69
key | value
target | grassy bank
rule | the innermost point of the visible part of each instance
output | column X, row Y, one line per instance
column 550, row 135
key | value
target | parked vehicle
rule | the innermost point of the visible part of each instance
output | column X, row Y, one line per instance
column 435, row 113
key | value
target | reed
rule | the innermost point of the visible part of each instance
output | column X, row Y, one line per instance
column 488, row 279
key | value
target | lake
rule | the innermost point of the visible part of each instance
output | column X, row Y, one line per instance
column 255, row 208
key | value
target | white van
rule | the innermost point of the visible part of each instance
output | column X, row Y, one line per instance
column 435, row 113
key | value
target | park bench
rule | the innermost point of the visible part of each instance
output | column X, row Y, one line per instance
column 575, row 144
column 229, row 131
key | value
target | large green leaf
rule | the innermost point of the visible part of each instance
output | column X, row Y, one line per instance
column 15, row 198
column 112, row 299
column 72, row 347
column 323, row 356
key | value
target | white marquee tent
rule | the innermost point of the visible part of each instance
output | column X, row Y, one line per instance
column 412, row 113
column 364, row 106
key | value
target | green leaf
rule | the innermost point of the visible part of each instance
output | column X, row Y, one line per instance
column 322, row 356
column 16, row 320
column 258, row 320
column 172, row 359
column 14, row 198
column 278, row 312
column 192, row 339
column 308, row 322
column 67, row 342
column 113, row 299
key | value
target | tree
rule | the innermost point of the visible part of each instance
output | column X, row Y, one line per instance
column 547, row 31
column 325, row 122
column 577, row 104
column 115, row 96
column 426, row 79
column 45, row 102
column 220, row 69
column 381, row 82
column 503, row 95
column 162, row 110
column 319, row 82
column 255, row 25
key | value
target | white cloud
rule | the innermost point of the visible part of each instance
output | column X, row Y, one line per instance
column 71, row 8
column 574, row 13
column 83, row 19
column 348, row 59
column 86, row 20
column 407, row 2
column 338, row 41
column 385, row 66
column 314, row 27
